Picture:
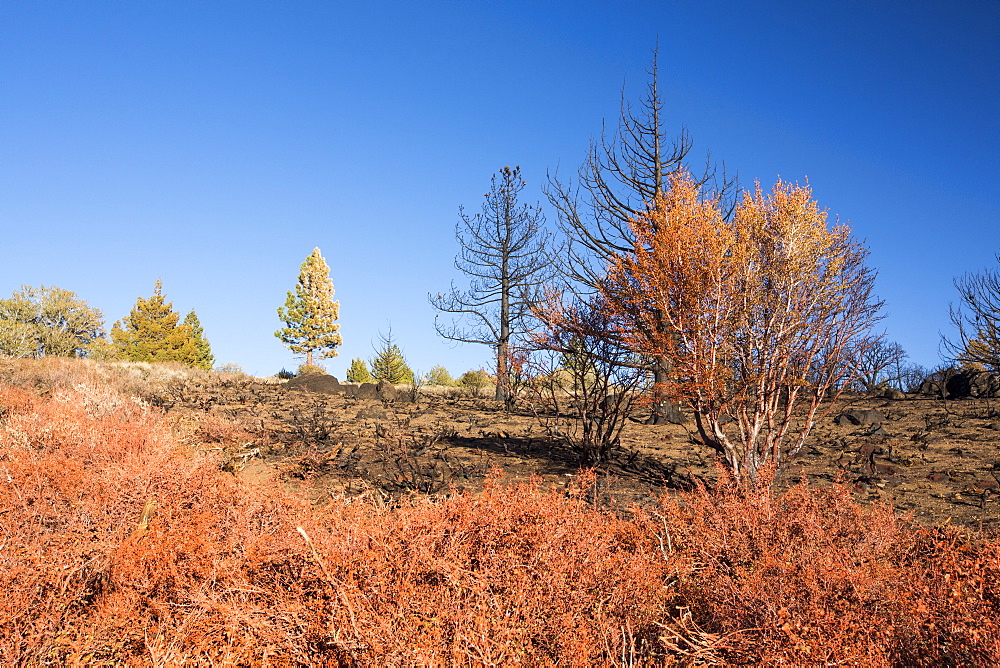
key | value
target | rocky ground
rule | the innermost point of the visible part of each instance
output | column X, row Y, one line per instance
column 933, row 459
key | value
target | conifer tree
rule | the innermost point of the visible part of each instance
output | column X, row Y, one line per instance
column 506, row 255
column 389, row 364
column 151, row 332
column 205, row 358
column 358, row 371
column 310, row 314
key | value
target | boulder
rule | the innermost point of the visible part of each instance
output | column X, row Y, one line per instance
column 387, row 391
column 929, row 388
column 973, row 383
column 366, row 391
column 859, row 417
column 893, row 394
column 320, row 383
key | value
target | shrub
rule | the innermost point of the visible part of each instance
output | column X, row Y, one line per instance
column 125, row 549
column 230, row 367
column 812, row 576
column 439, row 376
column 311, row 370
column 476, row 380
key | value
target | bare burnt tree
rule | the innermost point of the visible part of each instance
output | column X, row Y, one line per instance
column 625, row 171
column 880, row 364
column 977, row 321
column 505, row 253
column 580, row 369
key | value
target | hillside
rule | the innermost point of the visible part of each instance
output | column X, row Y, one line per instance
column 156, row 516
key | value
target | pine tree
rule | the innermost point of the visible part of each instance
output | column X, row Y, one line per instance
column 506, row 254
column 389, row 364
column 358, row 371
column 205, row 358
column 310, row 314
column 151, row 332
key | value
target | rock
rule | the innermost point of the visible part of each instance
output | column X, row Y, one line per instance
column 972, row 383
column 930, row 388
column 937, row 477
column 366, row 391
column 887, row 469
column 870, row 449
column 859, row 417
column 319, row 383
column 893, row 394
column 387, row 391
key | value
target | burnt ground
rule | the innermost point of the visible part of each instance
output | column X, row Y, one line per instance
column 934, row 460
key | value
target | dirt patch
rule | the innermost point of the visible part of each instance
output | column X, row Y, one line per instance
column 935, row 460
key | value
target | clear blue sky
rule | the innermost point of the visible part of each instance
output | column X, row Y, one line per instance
column 214, row 144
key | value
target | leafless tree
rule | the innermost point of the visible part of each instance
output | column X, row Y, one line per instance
column 506, row 255
column 581, row 369
column 912, row 377
column 880, row 363
column 624, row 172
column 977, row 321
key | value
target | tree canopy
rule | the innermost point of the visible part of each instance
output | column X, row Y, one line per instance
column 755, row 315
column 36, row 322
column 976, row 319
column 389, row 364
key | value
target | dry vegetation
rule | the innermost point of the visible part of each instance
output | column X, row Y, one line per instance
column 152, row 515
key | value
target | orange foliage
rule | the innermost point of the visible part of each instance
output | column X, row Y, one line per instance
column 758, row 317
column 811, row 576
column 121, row 548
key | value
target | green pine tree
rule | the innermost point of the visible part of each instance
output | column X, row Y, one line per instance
column 151, row 333
column 358, row 372
column 310, row 314
column 389, row 364
column 205, row 358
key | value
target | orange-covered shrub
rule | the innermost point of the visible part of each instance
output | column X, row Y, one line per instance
column 812, row 576
column 118, row 546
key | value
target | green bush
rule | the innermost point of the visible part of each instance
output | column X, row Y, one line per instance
column 438, row 375
column 358, row 371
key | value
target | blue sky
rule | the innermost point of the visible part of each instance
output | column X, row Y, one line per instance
column 214, row 144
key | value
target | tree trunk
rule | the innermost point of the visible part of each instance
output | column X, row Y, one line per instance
column 503, row 361
column 502, row 372
column 662, row 407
